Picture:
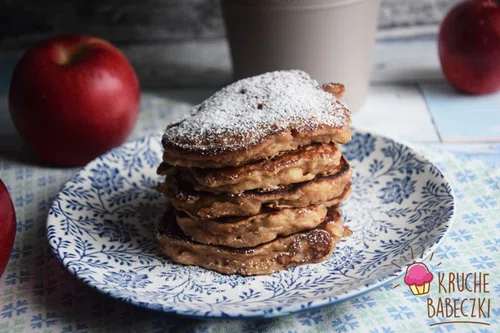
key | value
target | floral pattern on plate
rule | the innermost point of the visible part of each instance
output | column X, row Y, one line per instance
column 102, row 227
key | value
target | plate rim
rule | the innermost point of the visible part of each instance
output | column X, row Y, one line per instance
column 286, row 310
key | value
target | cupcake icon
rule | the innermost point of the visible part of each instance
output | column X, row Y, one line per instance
column 418, row 278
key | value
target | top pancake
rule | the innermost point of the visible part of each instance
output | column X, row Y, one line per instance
column 257, row 118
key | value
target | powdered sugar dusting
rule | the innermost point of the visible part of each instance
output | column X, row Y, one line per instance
column 249, row 110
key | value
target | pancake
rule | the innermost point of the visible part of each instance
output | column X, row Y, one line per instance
column 257, row 118
column 305, row 247
column 209, row 205
column 297, row 166
column 254, row 230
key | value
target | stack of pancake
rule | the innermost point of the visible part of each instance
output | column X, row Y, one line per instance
column 255, row 176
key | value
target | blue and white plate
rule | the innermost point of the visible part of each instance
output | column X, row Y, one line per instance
column 101, row 226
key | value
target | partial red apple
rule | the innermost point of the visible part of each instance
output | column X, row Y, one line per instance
column 7, row 226
column 469, row 46
column 72, row 98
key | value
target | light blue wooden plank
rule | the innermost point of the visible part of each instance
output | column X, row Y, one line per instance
column 463, row 118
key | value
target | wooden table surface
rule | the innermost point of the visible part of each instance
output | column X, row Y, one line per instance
column 408, row 99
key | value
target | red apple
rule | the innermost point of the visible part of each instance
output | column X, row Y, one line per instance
column 7, row 226
column 72, row 98
column 469, row 46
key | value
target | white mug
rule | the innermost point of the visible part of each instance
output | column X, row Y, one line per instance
column 332, row 40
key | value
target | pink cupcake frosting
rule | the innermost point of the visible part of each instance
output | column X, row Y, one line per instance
column 418, row 274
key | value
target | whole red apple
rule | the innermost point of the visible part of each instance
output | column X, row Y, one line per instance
column 7, row 226
column 72, row 98
column 469, row 46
